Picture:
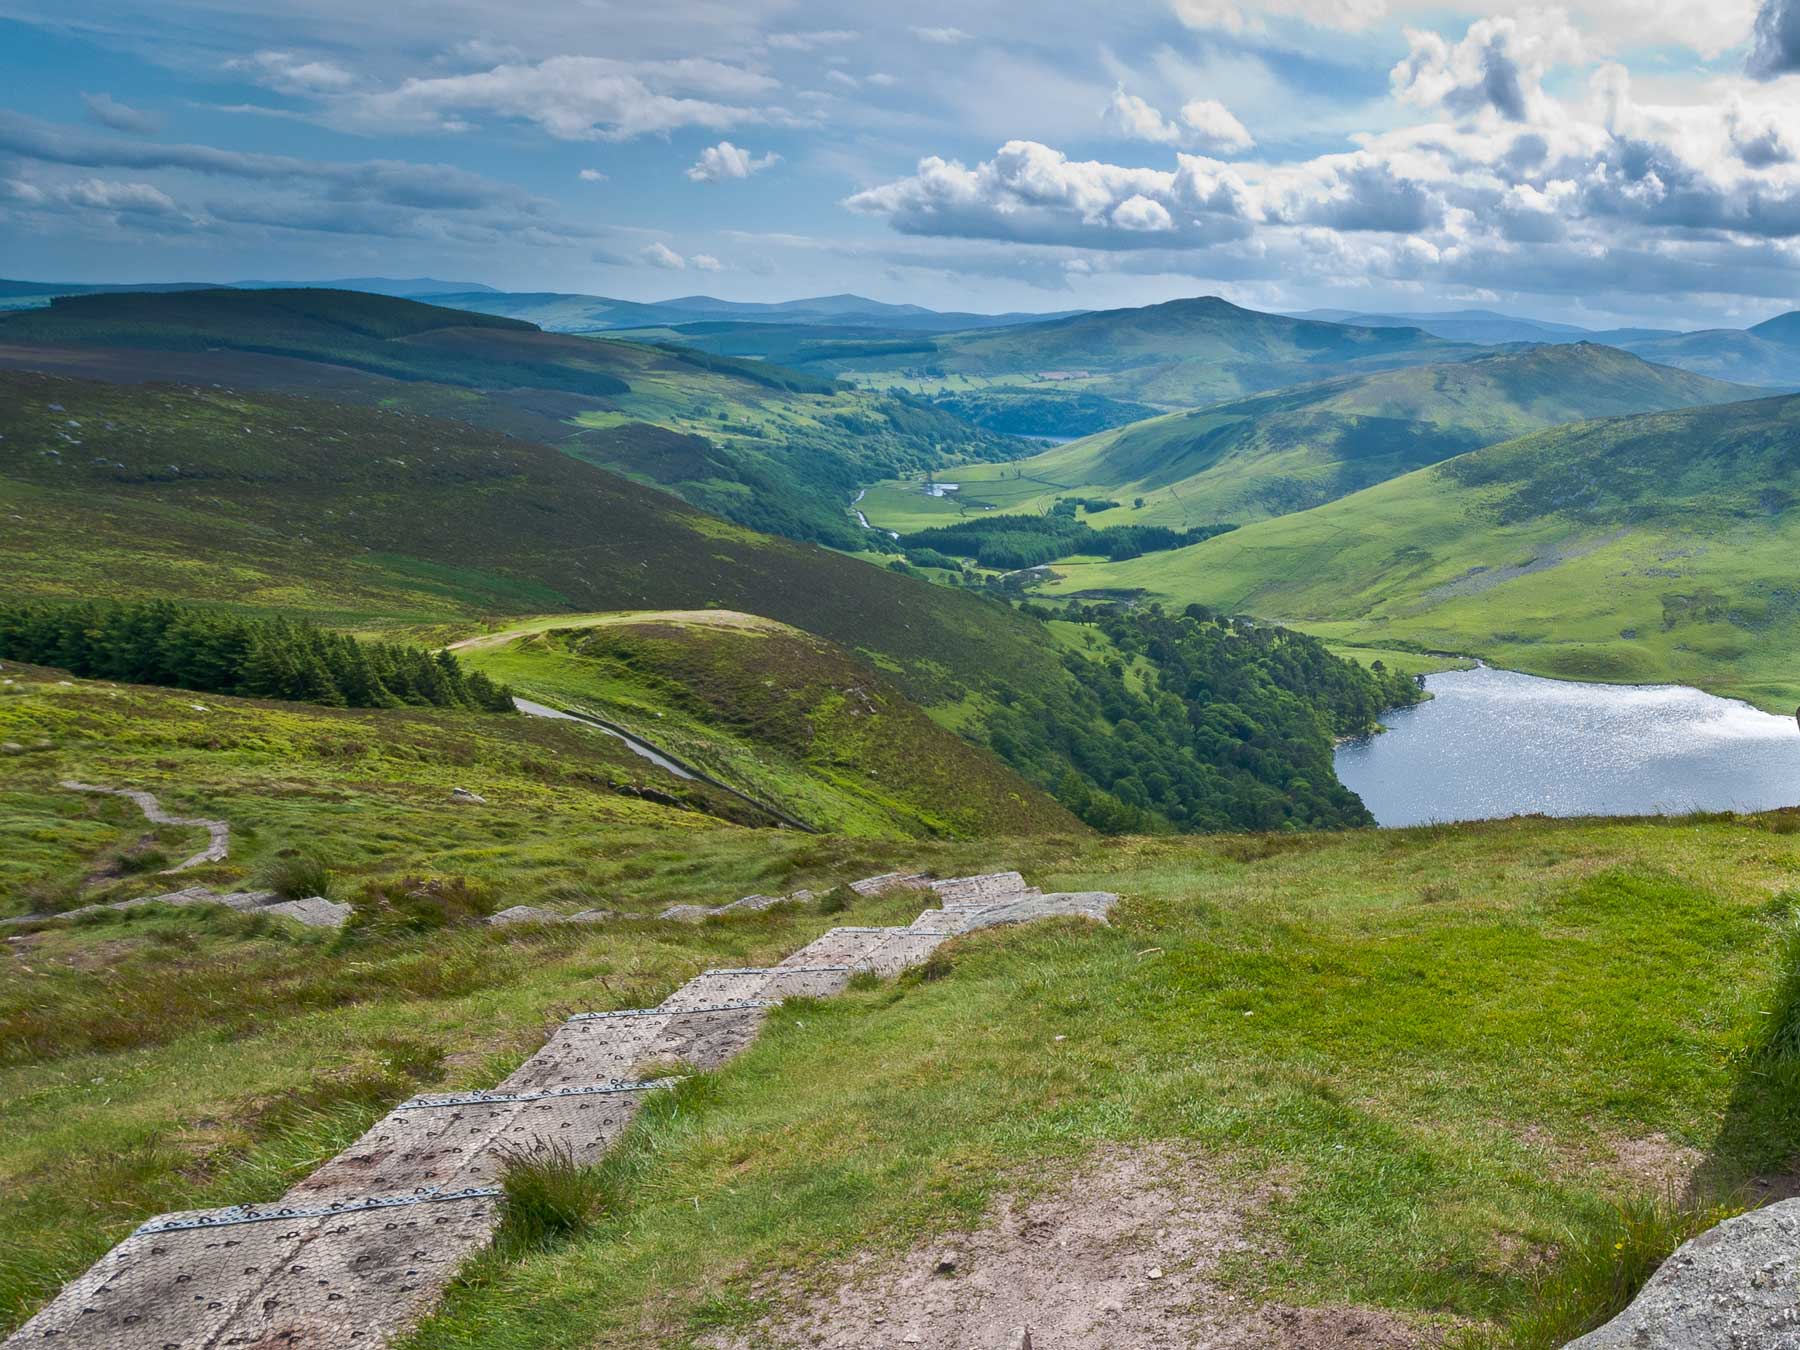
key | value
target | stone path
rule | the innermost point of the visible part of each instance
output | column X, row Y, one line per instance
column 358, row 1252
column 314, row 911
column 218, row 832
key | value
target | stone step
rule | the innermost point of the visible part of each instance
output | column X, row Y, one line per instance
column 455, row 1142
column 887, row 881
column 772, row 983
column 840, row 947
column 989, row 888
column 324, row 1278
column 905, row 949
column 1096, row 905
column 596, row 1047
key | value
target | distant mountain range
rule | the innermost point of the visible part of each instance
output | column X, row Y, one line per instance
column 573, row 312
column 1767, row 355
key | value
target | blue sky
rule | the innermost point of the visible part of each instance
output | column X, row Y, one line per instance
column 1602, row 161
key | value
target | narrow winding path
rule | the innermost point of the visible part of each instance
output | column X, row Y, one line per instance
column 362, row 1249
column 218, row 832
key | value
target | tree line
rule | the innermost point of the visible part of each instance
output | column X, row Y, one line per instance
column 1014, row 541
column 159, row 642
column 1196, row 722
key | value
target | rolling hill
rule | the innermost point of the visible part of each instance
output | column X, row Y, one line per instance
column 1650, row 548
column 1298, row 448
column 1181, row 354
column 771, row 448
column 786, row 717
column 1767, row 354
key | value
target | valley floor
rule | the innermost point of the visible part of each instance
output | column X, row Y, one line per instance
column 1401, row 1071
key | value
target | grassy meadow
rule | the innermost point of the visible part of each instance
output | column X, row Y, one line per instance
column 1444, row 1052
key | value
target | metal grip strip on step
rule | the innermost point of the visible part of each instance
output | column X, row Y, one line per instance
column 242, row 1214
column 742, row 1005
column 615, row 1085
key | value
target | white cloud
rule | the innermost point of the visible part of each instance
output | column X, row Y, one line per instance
column 1498, row 66
column 1214, row 127
column 291, row 73
column 591, row 176
column 944, row 37
column 1031, row 193
column 725, row 160
column 1139, row 213
column 705, row 262
column 838, row 77
column 661, row 255
column 807, row 42
column 1135, row 118
column 1205, row 123
column 882, row 80
column 575, row 97
column 1228, row 16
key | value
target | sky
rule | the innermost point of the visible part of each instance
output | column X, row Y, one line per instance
column 1601, row 162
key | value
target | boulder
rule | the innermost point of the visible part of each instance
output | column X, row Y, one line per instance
column 464, row 795
column 1735, row 1287
column 685, row 913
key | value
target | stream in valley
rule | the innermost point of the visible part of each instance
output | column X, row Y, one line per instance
column 1495, row 743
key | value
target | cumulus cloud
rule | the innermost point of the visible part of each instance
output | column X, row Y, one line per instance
column 109, row 112
column 1758, row 136
column 1775, row 49
column 1205, row 123
column 575, row 97
column 1214, row 127
column 725, row 160
column 1498, row 65
column 591, row 176
column 705, row 262
column 944, row 37
column 1032, row 193
column 661, row 255
column 1132, row 116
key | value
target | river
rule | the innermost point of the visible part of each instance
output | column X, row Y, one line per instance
column 1495, row 743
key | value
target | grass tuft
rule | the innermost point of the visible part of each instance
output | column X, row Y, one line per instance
column 548, row 1196
column 1778, row 1041
column 295, row 875
column 1598, row 1273
column 837, row 900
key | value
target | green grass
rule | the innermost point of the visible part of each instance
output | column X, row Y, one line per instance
column 1450, row 1030
column 1642, row 549
column 787, row 718
column 1440, row 1084
column 373, row 520
column 770, row 448
column 1294, row 449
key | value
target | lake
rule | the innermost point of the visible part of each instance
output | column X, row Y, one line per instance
column 1494, row 743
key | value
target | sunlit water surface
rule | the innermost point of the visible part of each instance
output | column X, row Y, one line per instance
column 1493, row 743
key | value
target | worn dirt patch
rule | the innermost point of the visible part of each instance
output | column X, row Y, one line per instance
column 1125, row 1254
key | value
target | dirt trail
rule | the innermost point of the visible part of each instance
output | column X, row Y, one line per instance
column 218, row 832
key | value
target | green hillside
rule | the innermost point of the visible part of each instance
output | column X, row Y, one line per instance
column 1767, row 354
column 775, row 449
column 1297, row 448
column 786, row 717
column 1176, row 355
column 1649, row 548
column 381, row 520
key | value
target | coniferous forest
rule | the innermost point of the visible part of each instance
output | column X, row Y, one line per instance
column 219, row 653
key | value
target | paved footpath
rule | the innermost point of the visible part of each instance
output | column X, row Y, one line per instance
column 360, row 1251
